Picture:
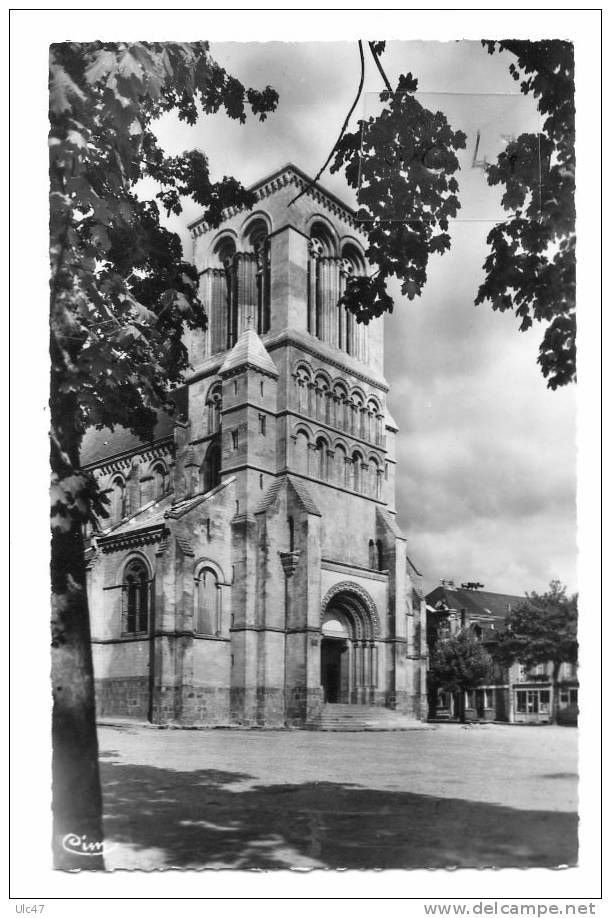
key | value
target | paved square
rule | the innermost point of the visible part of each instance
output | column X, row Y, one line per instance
column 477, row 796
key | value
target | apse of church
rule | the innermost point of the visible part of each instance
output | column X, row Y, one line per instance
column 252, row 570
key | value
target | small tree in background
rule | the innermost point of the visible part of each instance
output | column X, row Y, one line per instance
column 542, row 629
column 460, row 664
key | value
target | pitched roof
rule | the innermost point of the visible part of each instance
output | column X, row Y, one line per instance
column 304, row 495
column 269, row 498
column 390, row 520
column 300, row 490
column 249, row 351
column 101, row 444
column 478, row 603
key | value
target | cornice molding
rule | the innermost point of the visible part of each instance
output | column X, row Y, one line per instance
column 315, row 349
column 149, row 535
column 288, row 175
column 354, row 569
column 158, row 449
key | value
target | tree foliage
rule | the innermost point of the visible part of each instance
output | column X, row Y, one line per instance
column 121, row 299
column 460, row 663
column 531, row 265
column 403, row 161
column 121, row 293
column 541, row 629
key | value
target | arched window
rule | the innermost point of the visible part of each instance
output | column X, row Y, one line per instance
column 218, row 295
column 136, row 597
column 340, row 465
column 372, row 555
column 353, row 334
column 254, row 277
column 374, row 478
column 379, row 556
column 214, row 403
column 323, row 284
column 373, row 412
column 357, row 461
column 159, row 481
column 302, row 383
column 320, row 392
column 358, row 428
column 210, row 471
column 301, row 452
column 340, row 396
column 207, row 602
column 321, row 458
column 118, row 500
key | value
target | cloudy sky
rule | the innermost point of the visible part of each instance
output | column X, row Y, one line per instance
column 486, row 480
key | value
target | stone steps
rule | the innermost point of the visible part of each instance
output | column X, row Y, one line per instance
column 360, row 717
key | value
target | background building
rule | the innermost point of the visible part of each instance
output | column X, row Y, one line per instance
column 515, row 694
column 253, row 570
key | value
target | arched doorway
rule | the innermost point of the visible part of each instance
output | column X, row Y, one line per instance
column 335, row 659
column 348, row 649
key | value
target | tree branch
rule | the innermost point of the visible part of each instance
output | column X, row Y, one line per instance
column 341, row 134
column 379, row 66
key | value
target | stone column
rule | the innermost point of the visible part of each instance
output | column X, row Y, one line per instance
column 289, row 561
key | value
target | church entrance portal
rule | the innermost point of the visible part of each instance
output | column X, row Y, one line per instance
column 348, row 652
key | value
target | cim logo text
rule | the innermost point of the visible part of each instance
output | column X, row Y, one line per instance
column 82, row 845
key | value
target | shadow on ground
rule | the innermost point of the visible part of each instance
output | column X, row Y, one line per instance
column 212, row 818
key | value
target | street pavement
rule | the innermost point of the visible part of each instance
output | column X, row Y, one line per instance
column 454, row 796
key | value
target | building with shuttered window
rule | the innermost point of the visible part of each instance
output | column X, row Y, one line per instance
column 252, row 570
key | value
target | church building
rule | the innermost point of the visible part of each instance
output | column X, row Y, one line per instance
column 252, row 571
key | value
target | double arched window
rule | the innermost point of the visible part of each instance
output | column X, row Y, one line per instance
column 208, row 609
column 329, row 272
column 236, row 286
column 136, row 597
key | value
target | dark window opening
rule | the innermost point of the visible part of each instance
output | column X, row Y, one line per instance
column 136, row 598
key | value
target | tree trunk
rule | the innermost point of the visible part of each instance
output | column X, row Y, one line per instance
column 553, row 706
column 460, row 697
column 77, row 800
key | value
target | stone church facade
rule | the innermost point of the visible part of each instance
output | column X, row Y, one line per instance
column 252, row 571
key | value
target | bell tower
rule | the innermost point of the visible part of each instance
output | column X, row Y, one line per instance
column 306, row 438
